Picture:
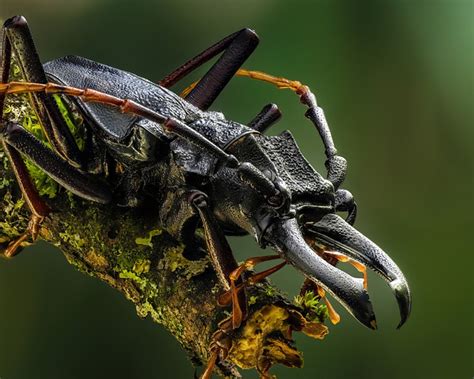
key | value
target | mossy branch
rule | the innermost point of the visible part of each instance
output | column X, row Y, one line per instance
column 133, row 254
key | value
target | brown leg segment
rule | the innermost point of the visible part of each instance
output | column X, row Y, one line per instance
column 37, row 206
column 224, row 264
column 227, row 297
column 220, row 346
column 230, row 276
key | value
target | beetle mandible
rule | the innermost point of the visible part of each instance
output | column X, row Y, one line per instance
column 234, row 179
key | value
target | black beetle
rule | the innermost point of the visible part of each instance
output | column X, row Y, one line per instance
column 206, row 170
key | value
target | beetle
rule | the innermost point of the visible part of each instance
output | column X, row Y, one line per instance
column 207, row 171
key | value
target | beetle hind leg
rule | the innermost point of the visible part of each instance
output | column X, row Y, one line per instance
column 39, row 209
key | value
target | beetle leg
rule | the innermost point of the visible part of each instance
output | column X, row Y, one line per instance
column 237, row 316
column 17, row 40
column 344, row 201
column 221, row 343
column 16, row 140
column 230, row 295
column 219, row 250
column 236, row 48
column 335, row 164
column 39, row 209
column 57, row 168
column 268, row 116
column 221, row 254
column 224, row 264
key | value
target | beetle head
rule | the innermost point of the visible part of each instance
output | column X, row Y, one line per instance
column 279, row 198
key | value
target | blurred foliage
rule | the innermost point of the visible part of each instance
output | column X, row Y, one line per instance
column 396, row 82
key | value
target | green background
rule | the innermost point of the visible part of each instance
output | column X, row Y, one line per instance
column 395, row 79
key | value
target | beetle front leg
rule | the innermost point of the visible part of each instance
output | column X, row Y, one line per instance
column 344, row 202
column 231, row 295
column 17, row 40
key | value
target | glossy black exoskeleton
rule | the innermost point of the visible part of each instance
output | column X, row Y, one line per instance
column 205, row 170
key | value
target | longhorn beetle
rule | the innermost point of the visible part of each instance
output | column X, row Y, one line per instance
column 233, row 178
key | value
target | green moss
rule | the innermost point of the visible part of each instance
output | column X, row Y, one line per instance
column 146, row 241
column 252, row 300
column 162, row 316
column 146, row 308
column 75, row 240
column 127, row 259
column 4, row 183
column 11, row 225
column 313, row 310
column 131, row 275
column 174, row 260
column 141, row 266
column 73, row 120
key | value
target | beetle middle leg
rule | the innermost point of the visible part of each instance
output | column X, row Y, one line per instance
column 16, row 140
column 224, row 264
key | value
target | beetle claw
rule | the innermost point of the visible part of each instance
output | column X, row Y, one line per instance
column 32, row 231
